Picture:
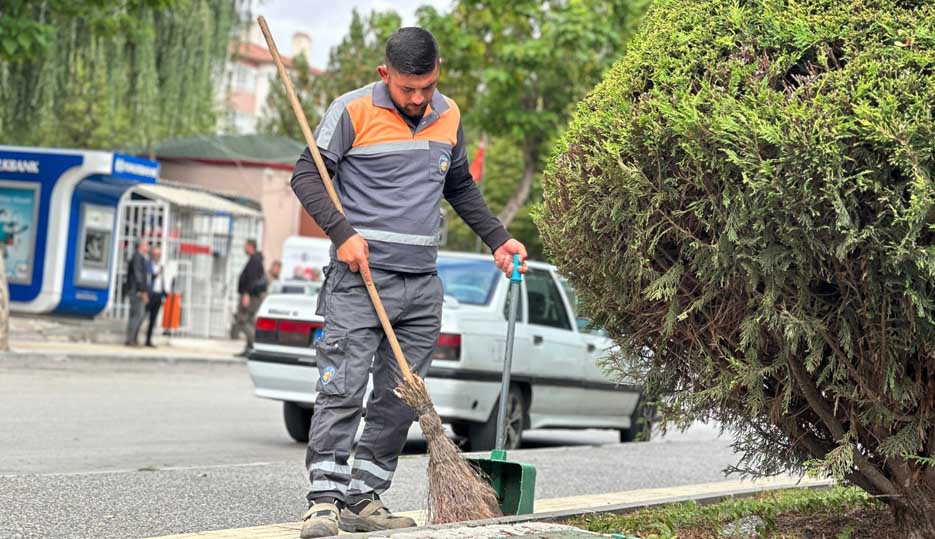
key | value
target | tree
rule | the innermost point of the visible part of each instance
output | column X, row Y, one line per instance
column 103, row 82
column 517, row 67
column 503, row 165
column 745, row 204
column 28, row 28
column 351, row 64
column 280, row 119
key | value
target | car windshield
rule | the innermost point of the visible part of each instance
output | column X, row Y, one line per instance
column 468, row 281
column 290, row 286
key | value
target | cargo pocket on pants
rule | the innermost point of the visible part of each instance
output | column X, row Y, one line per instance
column 322, row 292
column 332, row 364
column 333, row 274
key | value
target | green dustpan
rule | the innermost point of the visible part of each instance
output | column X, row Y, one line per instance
column 514, row 482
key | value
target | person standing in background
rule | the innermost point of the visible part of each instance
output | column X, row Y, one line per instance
column 251, row 288
column 157, row 291
column 137, row 289
column 298, row 273
column 275, row 269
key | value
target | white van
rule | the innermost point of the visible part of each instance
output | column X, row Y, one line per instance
column 556, row 382
column 304, row 258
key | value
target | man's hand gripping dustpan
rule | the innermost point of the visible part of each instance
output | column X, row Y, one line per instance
column 514, row 482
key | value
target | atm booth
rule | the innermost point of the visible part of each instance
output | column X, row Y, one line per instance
column 69, row 222
column 58, row 223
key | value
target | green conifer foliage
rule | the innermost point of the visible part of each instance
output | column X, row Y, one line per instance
column 746, row 203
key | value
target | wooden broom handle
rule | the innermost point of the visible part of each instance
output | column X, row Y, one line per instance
column 326, row 179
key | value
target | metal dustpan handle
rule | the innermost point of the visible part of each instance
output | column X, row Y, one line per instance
column 515, row 281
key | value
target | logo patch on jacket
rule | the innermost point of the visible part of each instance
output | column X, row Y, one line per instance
column 327, row 375
column 443, row 163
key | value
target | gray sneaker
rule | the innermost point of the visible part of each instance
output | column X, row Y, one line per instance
column 321, row 520
column 370, row 515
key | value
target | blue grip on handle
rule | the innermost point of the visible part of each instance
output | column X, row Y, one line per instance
column 517, row 277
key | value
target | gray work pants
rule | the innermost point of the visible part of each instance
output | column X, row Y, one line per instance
column 135, row 318
column 353, row 344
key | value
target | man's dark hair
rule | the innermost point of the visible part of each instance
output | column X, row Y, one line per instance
column 252, row 243
column 412, row 51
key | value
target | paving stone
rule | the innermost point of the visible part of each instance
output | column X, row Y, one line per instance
column 526, row 530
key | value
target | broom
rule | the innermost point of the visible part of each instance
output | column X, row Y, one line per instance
column 457, row 492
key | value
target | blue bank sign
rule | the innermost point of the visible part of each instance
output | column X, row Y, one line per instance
column 135, row 168
column 22, row 166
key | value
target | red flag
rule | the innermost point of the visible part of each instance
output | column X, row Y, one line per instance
column 477, row 165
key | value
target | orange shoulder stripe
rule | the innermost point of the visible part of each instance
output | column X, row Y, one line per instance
column 445, row 128
column 376, row 125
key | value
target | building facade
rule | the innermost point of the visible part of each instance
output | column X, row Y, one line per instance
column 255, row 169
column 247, row 78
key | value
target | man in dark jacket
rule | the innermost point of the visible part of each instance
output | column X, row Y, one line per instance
column 137, row 290
column 251, row 289
column 157, row 291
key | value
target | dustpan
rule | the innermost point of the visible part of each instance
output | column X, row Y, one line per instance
column 514, row 482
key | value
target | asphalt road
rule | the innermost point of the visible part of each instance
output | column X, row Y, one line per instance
column 101, row 449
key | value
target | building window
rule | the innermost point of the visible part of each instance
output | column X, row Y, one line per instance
column 245, row 124
column 244, row 79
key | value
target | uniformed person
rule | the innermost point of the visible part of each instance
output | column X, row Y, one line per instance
column 394, row 148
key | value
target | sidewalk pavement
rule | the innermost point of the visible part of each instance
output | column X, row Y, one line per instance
column 539, row 525
column 53, row 337
column 35, row 327
column 167, row 349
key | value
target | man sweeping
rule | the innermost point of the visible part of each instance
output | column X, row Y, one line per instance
column 394, row 148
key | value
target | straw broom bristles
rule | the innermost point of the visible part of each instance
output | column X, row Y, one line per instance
column 457, row 491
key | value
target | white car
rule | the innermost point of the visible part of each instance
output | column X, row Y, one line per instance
column 556, row 382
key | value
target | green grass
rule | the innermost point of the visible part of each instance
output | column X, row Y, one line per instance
column 663, row 522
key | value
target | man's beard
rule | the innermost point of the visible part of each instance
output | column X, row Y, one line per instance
column 419, row 110
column 415, row 111
column 412, row 111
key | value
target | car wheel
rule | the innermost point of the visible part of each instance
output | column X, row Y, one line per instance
column 483, row 436
column 298, row 421
column 641, row 425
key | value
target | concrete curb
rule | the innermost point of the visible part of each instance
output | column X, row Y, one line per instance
column 32, row 358
column 702, row 499
column 703, row 493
